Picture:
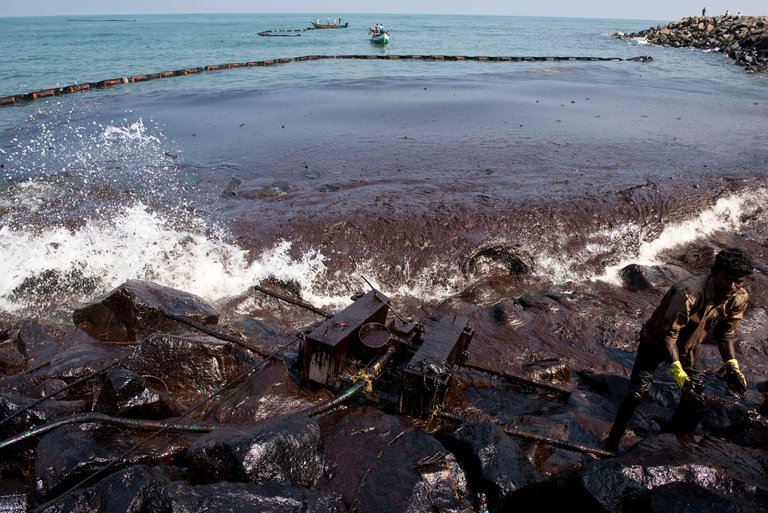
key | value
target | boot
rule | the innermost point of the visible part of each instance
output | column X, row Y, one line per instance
column 623, row 415
column 613, row 441
column 689, row 411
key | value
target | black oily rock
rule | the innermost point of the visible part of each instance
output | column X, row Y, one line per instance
column 70, row 453
column 123, row 491
column 493, row 458
column 414, row 472
column 731, row 471
column 286, row 449
column 138, row 308
column 28, row 415
column 190, row 366
column 226, row 497
column 127, row 394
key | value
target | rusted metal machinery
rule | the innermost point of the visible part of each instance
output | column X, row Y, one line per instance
column 357, row 344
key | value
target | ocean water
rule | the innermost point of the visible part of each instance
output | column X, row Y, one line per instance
column 46, row 52
column 416, row 174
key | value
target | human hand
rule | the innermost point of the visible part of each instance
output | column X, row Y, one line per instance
column 678, row 374
column 730, row 371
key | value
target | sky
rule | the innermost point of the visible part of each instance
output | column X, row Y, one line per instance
column 624, row 9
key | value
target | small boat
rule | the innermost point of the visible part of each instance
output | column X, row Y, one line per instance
column 380, row 37
column 330, row 25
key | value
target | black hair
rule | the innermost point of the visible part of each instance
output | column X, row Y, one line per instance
column 734, row 261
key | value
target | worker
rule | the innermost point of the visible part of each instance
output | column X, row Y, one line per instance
column 690, row 310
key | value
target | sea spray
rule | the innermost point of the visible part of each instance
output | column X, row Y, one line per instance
column 727, row 213
column 56, row 264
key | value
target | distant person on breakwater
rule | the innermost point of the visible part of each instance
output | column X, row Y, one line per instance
column 689, row 311
column 704, row 12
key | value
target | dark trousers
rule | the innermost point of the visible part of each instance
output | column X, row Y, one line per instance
column 690, row 409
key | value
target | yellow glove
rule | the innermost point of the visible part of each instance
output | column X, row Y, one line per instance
column 678, row 374
column 730, row 369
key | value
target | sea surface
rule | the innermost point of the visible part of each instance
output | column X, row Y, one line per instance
column 427, row 178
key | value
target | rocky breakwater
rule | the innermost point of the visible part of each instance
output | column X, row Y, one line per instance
column 742, row 38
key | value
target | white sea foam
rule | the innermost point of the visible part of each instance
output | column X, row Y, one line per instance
column 626, row 246
column 140, row 244
column 725, row 214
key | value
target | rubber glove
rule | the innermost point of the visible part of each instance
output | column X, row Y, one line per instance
column 730, row 369
column 678, row 374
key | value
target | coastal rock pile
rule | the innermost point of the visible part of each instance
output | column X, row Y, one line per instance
column 127, row 411
column 742, row 38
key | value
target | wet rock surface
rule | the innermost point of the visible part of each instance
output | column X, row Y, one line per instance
column 180, row 420
column 742, row 38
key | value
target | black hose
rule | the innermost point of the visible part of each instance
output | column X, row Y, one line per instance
column 364, row 380
column 106, row 419
column 328, row 405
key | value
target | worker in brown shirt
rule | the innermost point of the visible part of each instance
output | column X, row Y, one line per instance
column 689, row 311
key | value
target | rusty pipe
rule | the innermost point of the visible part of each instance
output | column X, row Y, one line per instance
column 292, row 301
column 563, row 393
column 555, row 442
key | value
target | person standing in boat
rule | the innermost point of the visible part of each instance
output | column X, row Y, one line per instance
column 689, row 311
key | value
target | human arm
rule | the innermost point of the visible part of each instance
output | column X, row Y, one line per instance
column 672, row 315
column 725, row 335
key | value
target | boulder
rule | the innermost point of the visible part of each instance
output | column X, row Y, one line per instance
column 30, row 416
column 729, row 474
column 137, row 308
column 125, row 491
column 412, row 472
column 379, row 464
column 286, row 450
column 191, row 367
column 224, row 497
column 69, row 454
column 495, row 461
column 126, row 394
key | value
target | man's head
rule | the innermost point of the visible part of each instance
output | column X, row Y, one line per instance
column 732, row 266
